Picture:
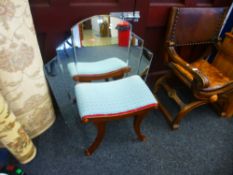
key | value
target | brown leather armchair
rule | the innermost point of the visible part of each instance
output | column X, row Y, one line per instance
column 195, row 31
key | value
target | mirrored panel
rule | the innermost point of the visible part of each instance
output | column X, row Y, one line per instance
column 145, row 63
column 94, row 39
column 61, row 82
column 101, row 37
column 135, row 53
column 65, row 56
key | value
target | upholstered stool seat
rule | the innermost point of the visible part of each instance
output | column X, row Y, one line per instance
column 103, row 101
column 108, row 68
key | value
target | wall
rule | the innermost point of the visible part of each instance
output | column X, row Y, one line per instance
column 53, row 18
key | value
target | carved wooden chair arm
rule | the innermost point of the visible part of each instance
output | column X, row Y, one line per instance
column 227, row 88
column 213, row 94
column 200, row 81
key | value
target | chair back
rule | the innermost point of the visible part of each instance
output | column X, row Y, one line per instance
column 190, row 26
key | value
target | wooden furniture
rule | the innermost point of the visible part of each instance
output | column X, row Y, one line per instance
column 107, row 101
column 191, row 28
column 93, row 63
column 224, row 62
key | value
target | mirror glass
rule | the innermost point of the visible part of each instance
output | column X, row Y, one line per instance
column 65, row 55
column 135, row 53
column 145, row 62
column 94, row 39
column 101, row 37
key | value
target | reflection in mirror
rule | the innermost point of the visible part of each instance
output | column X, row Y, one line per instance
column 61, row 83
column 128, row 16
column 102, row 30
column 65, row 56
column 145, row 63
column 95, row 39
column 135, row 53
column 100, row 38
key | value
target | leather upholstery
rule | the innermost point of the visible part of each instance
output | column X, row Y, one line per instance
column 191, row 27
column 194, row 25
column 215, row 77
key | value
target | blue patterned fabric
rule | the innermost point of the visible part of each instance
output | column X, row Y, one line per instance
column 97, row 67
column 105, row 98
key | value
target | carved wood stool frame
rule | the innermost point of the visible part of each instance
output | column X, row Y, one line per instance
column 100, row 123
column 117, row 74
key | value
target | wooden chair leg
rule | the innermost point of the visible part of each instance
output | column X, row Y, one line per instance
column 100, row 135
column 137, row 123
column 184, row 110
column 159, row 82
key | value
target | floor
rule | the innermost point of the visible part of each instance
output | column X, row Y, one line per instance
column 203, row 145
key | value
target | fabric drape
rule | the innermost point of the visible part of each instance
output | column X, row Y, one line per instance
column 13, row 136
column 22, row 81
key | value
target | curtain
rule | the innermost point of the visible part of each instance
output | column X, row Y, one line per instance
column 13, row 136
column 22, row 81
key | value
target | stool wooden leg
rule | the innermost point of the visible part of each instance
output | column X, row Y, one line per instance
column 100, row 135
column 137, row 123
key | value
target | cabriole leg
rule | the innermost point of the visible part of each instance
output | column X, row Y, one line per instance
column 100, row 135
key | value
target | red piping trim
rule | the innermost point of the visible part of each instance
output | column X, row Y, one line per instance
column 100, row 74
column 120, row 113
